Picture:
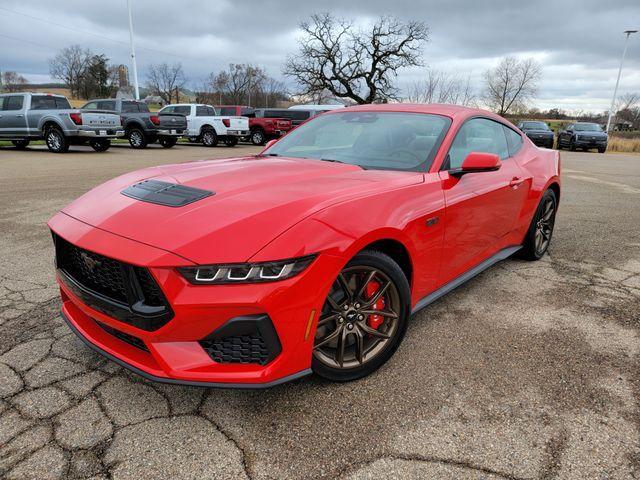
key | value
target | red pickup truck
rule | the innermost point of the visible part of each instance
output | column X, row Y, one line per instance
column 262, row 129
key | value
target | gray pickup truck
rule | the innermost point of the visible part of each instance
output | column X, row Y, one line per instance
column 34, row 116
column 140, row 125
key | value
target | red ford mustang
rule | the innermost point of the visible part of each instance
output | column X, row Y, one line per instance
column 311, row 256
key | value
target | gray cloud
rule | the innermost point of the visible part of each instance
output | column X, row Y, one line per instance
column 578, row 42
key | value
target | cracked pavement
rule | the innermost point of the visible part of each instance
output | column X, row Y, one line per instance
column 529, row 371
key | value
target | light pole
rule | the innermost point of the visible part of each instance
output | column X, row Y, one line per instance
column 133, row 53
column 615, row 90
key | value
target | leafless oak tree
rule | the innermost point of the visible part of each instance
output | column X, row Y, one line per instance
column 355, row 63
column 442, row 87
column 70, row 65
column 628, row 108
column 511, row 84
column 12, row 82
column 166, row 81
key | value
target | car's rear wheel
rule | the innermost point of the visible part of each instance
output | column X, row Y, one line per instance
column 137, row 138
column 20, row 144
column 572, row 145
column 540, row 231
column 602, row 150
column 100, row 145
column 231, row 141
column 167, row 142
column 258, row 137
column 364, row 318
column 209, row 138
column 55, row 140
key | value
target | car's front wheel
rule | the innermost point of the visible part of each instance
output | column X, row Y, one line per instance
column 364, row 318
column 20, row 144
column 56, row 141
column 100, row 145
column 168, row 142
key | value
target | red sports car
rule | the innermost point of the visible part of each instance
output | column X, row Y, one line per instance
column 311, row 256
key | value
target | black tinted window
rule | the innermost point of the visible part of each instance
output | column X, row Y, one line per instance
column 211, row 111
column 478, row 135
column 227, row 110
column 43, row 103
column 107, row 105
column 201, row 111
column 248, row 112
column 182, row 109
column 90, row 106
column 130, row 107
column 143, row 107
column 13, row 103
column 514, row 140
column 62, row 103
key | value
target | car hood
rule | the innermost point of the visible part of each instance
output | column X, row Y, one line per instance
column 256, row 199
column 538, row 132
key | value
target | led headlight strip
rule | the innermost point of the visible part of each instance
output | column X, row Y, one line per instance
column 246, row 272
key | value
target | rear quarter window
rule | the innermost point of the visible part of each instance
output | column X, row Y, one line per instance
column 43, row 103
column 514, row 140
column 130, row 107
column 227, row 110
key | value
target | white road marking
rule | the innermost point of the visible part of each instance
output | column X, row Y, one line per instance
column 620, row 186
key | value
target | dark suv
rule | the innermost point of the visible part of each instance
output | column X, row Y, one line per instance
column 583, row 135
column 538, row 132
column 142, row 127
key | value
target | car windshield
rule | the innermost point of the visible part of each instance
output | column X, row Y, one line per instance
column 376, row 140
column 587, row 127
column 534, row 126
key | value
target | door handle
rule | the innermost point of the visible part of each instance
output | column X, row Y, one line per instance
column 516, row 182
column 19, row 116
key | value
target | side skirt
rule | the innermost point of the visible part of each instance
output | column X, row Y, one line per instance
column 468, row 275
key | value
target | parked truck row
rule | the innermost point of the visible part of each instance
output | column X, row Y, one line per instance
column 26, row 117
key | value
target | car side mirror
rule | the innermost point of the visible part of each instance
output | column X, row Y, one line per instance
column 477, row 162
column 270, row 143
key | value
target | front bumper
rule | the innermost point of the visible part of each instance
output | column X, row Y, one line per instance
column 541, row 141
column 590, row 143
column 175, row 352
column 100, row 133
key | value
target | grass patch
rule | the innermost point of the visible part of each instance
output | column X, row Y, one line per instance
column 621, row 144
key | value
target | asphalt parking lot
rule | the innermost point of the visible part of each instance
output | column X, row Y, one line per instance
column 531, row 370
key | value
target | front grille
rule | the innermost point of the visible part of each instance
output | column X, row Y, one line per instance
column 237, row 349
column 125, row 337
column 250, row 339
column 118, row 289
column 96, row 272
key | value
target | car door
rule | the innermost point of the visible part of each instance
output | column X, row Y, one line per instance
column 13, row 120
column 481, row 208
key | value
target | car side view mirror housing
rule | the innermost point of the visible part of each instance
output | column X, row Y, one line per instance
column 477, row 162
column 270, row 143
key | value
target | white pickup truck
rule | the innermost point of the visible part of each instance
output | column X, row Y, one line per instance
column 207, row 127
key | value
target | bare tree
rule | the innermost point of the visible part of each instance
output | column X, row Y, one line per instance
column 355, row 63
column 628, row 108
column 12, row 82
column 166, row 81
column 442, row 87
column 240, row 83
column 511, row 84
column 70, row 65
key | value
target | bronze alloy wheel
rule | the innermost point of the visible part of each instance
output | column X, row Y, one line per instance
column 363, row 318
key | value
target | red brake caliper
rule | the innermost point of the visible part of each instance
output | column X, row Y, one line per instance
column 374, row 321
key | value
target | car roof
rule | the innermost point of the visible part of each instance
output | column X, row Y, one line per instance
column 448, row 110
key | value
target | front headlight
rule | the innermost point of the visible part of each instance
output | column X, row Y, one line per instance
column 246, row 272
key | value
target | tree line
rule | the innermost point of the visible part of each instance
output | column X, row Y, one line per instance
column 335, row 59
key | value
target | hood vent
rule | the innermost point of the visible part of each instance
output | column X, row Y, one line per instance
column 165, row 193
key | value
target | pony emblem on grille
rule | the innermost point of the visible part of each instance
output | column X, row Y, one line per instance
column 89, row 262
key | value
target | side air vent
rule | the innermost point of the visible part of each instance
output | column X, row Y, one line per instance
column 165, row 193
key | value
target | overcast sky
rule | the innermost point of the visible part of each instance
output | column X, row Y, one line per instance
column 578, row 42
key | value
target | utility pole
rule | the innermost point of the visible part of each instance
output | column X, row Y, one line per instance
column 133, row 53
column 615, row 90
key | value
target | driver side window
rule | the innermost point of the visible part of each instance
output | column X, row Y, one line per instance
column 478, row 135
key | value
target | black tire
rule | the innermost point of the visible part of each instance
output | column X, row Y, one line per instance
column 368, row 260
column 550, row 144
column 231, row 141
column 55, row 140
column 209, row 137
column 602, row 150
column 258, row 137
column 572, row 145
column 21, row 144
column 100, row 145
column 167, row 142
column 531, row 250
column 137, row 138
column 558, row 144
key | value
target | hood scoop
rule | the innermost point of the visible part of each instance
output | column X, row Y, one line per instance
column 165, row 193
